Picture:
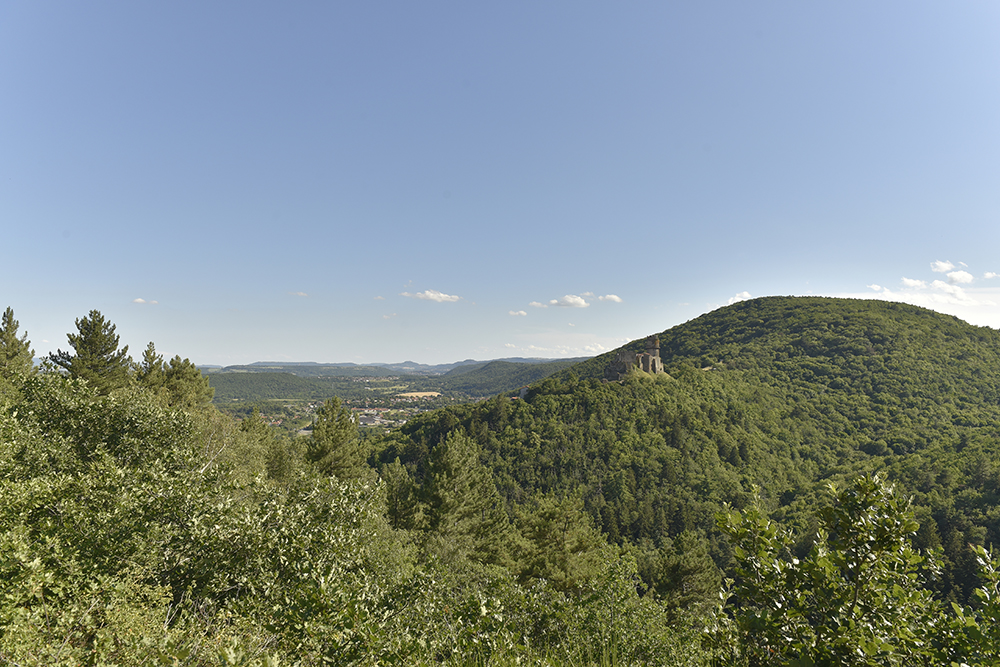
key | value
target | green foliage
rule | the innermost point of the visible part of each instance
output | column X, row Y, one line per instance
column 138, row 526
column 560, row 543
column 857, row 598
column 16, row 355
column 977, row 630
column 801, row 392
column 497, row 376
column 259, row 382
column 97, row 358
column 179, row 383
column 334, row 446
column 150, row 369
column 681, row 574
column 255, row 387
column 462, row 511
column 402, row 496
column 185, row 386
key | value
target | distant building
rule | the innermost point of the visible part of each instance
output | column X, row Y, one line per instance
column 626, row 361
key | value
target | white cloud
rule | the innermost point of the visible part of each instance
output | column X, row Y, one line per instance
column 610, row 297
column 380, row 298
column 298, row 294
column 432, row 295
column 941, row 267
column 141, row 300
column 914, row 283
column 519, row 313
column 569, row 301
column 587, row 294
column 952, row 290
column 510, row 345
column 877, row 288
column 742, row 296
column 537, row 304
column 388, row 317
column 960, row 277
column 990, row 274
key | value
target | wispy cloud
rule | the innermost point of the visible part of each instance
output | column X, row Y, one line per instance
column 941, row 267
column 432, row 295
column 952, row 290
column 537, row 304
column 518, row 313
column 874, row 287
column 742, row 296
column 610, row 297
column 913, row 283
column 380, row 298
column 143, row 301
column 298, row 294
column 389, row 317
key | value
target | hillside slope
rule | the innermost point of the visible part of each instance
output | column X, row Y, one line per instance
column 801, row 392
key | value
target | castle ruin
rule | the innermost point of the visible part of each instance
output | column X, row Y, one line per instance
column 626, row 361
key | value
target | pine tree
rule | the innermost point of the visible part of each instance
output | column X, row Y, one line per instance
column 185, row 386
column 560, row 543
column 98, row 359
column 402, row 508
column 150, row 372
column 334, row 446
column 461, row 504
column 16, row 355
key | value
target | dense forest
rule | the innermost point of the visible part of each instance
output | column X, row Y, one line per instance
column 811, row 482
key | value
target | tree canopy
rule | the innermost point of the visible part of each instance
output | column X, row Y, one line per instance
column 95, row 357
column 16, row 355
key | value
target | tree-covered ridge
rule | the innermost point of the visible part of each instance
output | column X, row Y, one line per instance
column 140, row 526
column 783, row 394
column 267, row 386
column 497, row 376
column 717, row 514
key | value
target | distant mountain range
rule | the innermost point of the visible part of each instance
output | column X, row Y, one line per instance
column 375, row 369
column 309, row 380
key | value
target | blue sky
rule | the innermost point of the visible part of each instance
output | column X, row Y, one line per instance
column 437, row 181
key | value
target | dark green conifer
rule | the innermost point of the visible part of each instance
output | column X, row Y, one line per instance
column 461, row 504
column 560, row 543
column 185, row 386
column 150, row 371
column 334, row 446
column 16, row 355
column 402, row 508
column 98, row 359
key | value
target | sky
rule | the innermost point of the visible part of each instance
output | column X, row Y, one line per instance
column 436, row 181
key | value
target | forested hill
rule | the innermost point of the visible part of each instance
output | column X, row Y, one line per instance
column 784, row 394
column 778, row 335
